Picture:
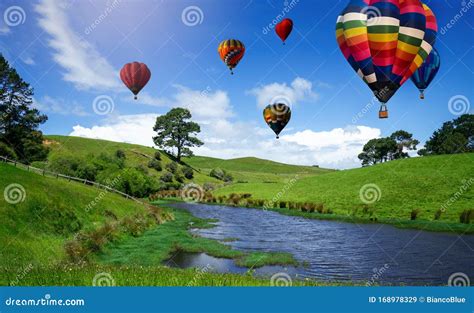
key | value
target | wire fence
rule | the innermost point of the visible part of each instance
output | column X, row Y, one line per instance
column 47, row 173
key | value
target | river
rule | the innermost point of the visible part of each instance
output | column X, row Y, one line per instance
column 335, row 251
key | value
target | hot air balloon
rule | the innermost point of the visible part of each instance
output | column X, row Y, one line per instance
column 284, row 28
column 385, row 41
column 135, row 76
column 277, row 116
column 425, row 74
column 231, row 52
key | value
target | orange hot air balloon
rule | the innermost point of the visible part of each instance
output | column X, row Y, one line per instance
column 231, row 52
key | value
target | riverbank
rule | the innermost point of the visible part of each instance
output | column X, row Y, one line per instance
column 157, row 245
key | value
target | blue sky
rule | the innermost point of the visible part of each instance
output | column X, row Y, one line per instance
column 71, row 53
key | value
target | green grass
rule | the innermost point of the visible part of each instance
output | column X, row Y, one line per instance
column 34, row 231
column 427, row 184
column 242, row 169
column 137, row 276
column 159, row 244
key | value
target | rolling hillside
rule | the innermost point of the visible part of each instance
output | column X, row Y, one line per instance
column 401, row 186
column 242, row 169
column 34, row 230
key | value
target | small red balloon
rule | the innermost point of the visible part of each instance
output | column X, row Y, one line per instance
column 135, row 76
column 284, row 28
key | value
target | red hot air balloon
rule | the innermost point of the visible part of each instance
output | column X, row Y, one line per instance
column 135, row 76
column 284, row 28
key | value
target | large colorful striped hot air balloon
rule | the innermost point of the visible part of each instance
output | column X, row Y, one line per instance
column 135, row 76
column 425, row 74
column 385, row 41
column 231, row 52
column 276, row 116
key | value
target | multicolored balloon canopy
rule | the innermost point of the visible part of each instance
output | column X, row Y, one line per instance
column 135, row 76
column 277, row 116
column 231, row 52
column 425, row 74
column 385, row 42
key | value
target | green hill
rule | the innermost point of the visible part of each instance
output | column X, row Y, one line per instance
column 34, row 230
column 426, row 184
column 242, row 169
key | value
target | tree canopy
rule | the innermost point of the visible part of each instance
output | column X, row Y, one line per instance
column 175, row 130
column 455, row 136
column 19, row 121
column 380, row 150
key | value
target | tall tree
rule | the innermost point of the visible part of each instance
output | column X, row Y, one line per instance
column 19, row 121
column 455, row 136
column 175, row 130
column 404, row 140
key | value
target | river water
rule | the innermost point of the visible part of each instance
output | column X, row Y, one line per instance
column 335, row 251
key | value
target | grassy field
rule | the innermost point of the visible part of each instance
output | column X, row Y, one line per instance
column 243, row 169
column 424, row 184
column 34, row 232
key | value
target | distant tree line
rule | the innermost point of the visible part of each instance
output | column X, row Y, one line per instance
column 455, row 136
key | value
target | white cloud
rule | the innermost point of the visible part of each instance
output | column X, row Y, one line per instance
column 28, row 60
column 299, row 90
column 126, row 128
column 59, row 106
column 83, row 65
column 226, row 138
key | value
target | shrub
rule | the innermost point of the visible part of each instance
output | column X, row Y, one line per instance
column 120, row 154
column 217, row 173
column 246, row 195
column 172, row 167
column 167, row 177
column 179, row 178
column 319, row 207
column 208, row 186
column 227, row 177
column 414, row 214
column 157, row 155
column 187, row 172
column 86, row 171
column 155, row 164
column 282, row 205
column 466, row 216
column 437, row 214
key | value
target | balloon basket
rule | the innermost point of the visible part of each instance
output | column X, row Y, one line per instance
column 383, row 113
